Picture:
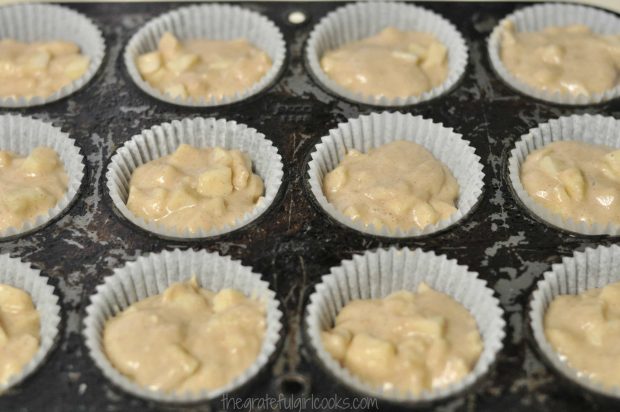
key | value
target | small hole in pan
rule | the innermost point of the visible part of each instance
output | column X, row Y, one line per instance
column 297, row 17
column 293, row 384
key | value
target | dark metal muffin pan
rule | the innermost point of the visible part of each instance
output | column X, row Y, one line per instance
column 295, row 242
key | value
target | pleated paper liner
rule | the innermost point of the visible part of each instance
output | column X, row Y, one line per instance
column 377, row 129
column 46, row 22
column 19, row 274
column 151, row 275
column 20, row 134
column 539, row 17
column 592, row 268
column 164, row 139
column 376, row 274
column 591, row 129
column 360, row 20
column 214, row 22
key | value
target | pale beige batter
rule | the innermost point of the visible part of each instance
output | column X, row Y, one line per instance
column 585, row 330
column 19, row 331
column 406, row 341
column 29, row 186
column 203, row 68
column 187, row 339
column 392, row 63
column 40, row 68
column 195, row 188
column 576, row 180
column 399, row 185
column 570, row 60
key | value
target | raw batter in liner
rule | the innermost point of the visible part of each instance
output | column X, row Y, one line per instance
column 40, row 68
column 576, row 180
column 585, row 330
column 187, row 339
column 406, row 341
column 570, row 60
column 399, row 185
column 195, row 188
column 19, row 331
column 29, row 186
column 393, row 63
column 203, row 68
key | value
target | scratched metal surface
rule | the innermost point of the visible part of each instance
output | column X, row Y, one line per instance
column 294, row 243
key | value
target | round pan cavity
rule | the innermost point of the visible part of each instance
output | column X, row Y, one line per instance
column 215, row 22
column 592, row 268
column 20, row 134
column 591, row 129
column 40, row 22
column 539, row 17
column 151, row 275
column 21, row 275
column 376, row 129
column 376, row 274
column 360, row 20
column 164, row 139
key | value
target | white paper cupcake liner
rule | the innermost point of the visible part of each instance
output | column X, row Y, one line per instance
column 151, row 275
column 539, row 17
column 215, row 22
column 164, row 139
column 376, row 274
column 597, row 129
column 377, row 129
column 21, row 135
column 14, row 272
column 360, row 20
column 40, row 22
column 592, row 268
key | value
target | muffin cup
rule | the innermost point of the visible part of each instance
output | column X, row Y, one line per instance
column 21, row 135
column 164, row 139
column 151, row 275
column 215, row 22
column 377, row 129
column 592, row 268
column 40, row 22
column 539, row 17
column 360, row 20
column 14, row 272
column 597, row 130
column 376, row 274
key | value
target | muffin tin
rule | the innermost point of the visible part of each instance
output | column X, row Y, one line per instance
column 294, row 242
